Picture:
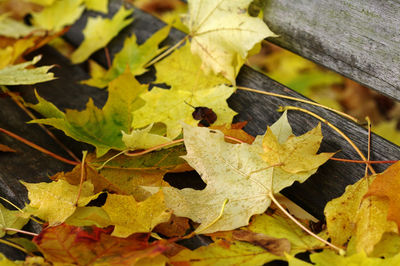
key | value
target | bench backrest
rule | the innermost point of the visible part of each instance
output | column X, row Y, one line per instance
column 359, row 39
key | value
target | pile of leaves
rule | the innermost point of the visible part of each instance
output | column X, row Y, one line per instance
column 114, row 207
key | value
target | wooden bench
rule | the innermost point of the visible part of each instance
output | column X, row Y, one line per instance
column 359, row 40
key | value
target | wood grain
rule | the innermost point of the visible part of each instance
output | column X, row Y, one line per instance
column 359, row 39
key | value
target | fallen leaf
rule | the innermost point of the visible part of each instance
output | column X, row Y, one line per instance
column 176, row 226
column 276, row 246
column 65, row 244
column 238, row 181
column 351, row 215
column 235, row 131
column 387, row 185
column 11, row 219
column 100, row 183
column 223, row 44
column 143, row 139
column 133, row 55
column 100, row 127
column 182, row 70
column 88, row 216
column 4, row 148
column 97, row 5
column 55, row 202
column 99, row 31
column 174, row 106
column 329, row 257
column 13, row 28
column 130, row 216
column 58, row 15
column 19, row 74
column 224, row 253
column 388, row 246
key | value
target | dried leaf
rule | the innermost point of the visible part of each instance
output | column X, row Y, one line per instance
column 277, row 246
column 65, row 244
column 329, row 257
column 387, row 185
column 4, row 148
column 176, row 226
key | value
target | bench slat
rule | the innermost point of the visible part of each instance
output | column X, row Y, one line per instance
column 359, row 39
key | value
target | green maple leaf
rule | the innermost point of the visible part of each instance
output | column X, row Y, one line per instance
column 20, row 75
column 55, row 202
column 11, row 219
column 174, row 106
column 99, row 31
column 100, row 127
column 238, row 180
column 58, row 15
column 133, row 55
column 222, row 34
column 182, row 70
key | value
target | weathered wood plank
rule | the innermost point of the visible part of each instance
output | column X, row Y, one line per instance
column 359, row 39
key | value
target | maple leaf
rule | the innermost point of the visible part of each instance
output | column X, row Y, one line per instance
column 100, row 183
column 99, row 31
column 173, row 106
column 58, row 15
column 388, row 246
column 12, row 53
column 127, row 173
column 19, row 74
column 387, row 185
column 280, row 226
column 13, row 28
column 55, row 202
column 182, row 70
column 66, row 245
column 11, row 219
column 238, row 181
column 351, row 215
column 222, row 33
column 87, row 216
column 133, row 55
column 97, row 5
column 328, row 258
column 143, row 139
column 223, row 252
column 100, row 127
column 130, row 216
column 235, row 131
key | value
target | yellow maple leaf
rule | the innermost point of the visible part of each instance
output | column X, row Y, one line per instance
column 130, row 216
column 99, row 31
column 222, row 33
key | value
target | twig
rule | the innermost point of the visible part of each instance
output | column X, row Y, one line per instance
column 299, row 100
column 32, row 116
column 281, row 109
column 37, row 147
column 341, row 251
column 359, row 161
column 166, row 52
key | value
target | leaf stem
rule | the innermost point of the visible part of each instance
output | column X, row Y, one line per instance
column 8, row 243
column 12, row 204
column 369, row 145
column 20, row 231
column 216, row 219
column 83, row 175
column 341, row 251
column 166, row 52
column 299, row 100
column 37, row 147
column 282, row 109
column 359, row 161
